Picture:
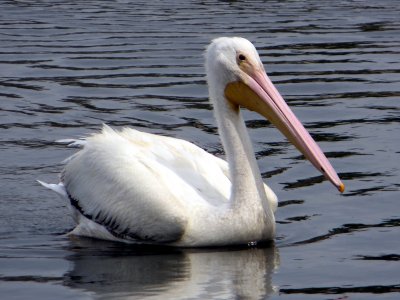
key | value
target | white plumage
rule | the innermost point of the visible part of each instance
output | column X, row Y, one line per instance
column 144, row 188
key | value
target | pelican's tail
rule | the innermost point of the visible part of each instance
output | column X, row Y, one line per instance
column 58, row 188
column 72, row 143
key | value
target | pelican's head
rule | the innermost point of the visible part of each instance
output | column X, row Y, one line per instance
column 236, row 74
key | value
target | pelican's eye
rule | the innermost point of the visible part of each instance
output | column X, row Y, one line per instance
column 241, row 57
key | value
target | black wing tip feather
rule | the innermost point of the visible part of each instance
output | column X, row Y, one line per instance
column 112, row 226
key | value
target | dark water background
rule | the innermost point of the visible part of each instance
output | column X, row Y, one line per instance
column 68, row 66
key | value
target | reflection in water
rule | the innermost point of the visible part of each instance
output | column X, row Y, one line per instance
column 112, row 270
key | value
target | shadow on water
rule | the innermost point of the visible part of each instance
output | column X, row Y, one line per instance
column 110, row 270
column 113, row 270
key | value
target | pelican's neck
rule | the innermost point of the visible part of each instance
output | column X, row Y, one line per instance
column 248, row 193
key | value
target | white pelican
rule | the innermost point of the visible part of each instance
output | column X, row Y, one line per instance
column 143, row 188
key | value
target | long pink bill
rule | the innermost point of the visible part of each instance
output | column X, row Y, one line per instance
column 275, row 109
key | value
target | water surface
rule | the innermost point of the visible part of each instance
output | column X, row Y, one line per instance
column 68, row 66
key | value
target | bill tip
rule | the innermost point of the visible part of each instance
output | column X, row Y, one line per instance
column 341, row 187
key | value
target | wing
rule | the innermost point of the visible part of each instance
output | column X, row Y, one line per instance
column 144, row 187
column 197, row 169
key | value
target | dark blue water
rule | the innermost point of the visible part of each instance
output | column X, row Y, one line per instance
column 66, row 67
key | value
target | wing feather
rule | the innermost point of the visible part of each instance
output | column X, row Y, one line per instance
column 144, row 186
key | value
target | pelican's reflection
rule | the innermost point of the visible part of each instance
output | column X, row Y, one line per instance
column 115, row 271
